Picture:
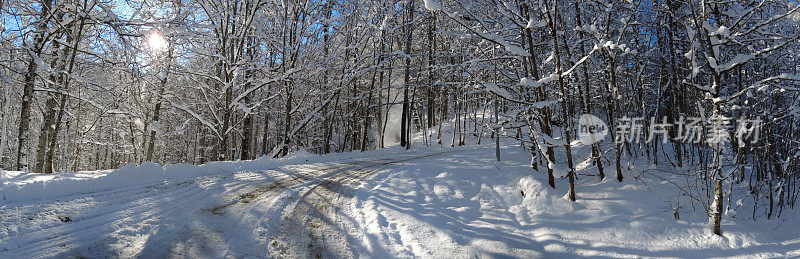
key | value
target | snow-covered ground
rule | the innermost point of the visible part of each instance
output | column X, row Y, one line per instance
column 426, row 202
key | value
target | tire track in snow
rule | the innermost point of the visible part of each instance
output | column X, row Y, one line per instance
column 317, row 213
column 113, row 211
column 59, row 239
column 152, row 201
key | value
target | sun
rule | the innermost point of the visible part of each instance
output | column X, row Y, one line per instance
column 156, row 41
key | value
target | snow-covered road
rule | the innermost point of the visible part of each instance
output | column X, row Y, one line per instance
column 434, row 202
column 175, row 216
column 232, row 214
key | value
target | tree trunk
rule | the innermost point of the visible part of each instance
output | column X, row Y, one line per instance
column 431, row 79
column 544, row 123
column 49, row 112
column 30, row 80
column 265, row 140
column 405, row 118
column 157, row 111
column 564, row 112
column 287, row 122
column 248, row 124
column 587, row 108
column 612, row 70
column 45, row 134
column 496, row 130
column 718, row 210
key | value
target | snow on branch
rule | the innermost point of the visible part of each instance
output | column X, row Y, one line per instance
column 758, row 84
column 497, row 39
column 198, row 117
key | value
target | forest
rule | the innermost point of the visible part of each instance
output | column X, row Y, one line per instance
column 707, row 92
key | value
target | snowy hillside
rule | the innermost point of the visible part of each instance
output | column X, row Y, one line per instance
column 438, row 202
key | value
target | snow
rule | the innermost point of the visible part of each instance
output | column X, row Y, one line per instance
column 549, row 58
column 529, row 82
column 549, row 78
column 533, row 24
column 737, row 60
column 724, row 32
column 432, row 5
column 426, row 202
column 516, row 50
column 22, row 187
column 39, row 62
column 489, row 208
column 495, row 89
column 6, row 79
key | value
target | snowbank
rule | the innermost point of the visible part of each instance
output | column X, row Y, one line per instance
column 468, row 205
column 20, row 186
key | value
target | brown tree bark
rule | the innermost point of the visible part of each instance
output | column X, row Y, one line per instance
column 544, row 119
column 30, row 80
column 406, row 115
column 586, row 105
column 157, row 110
column 564, row 111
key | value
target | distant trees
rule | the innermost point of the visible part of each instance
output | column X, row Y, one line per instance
column 244, row 79
column 649, row 60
